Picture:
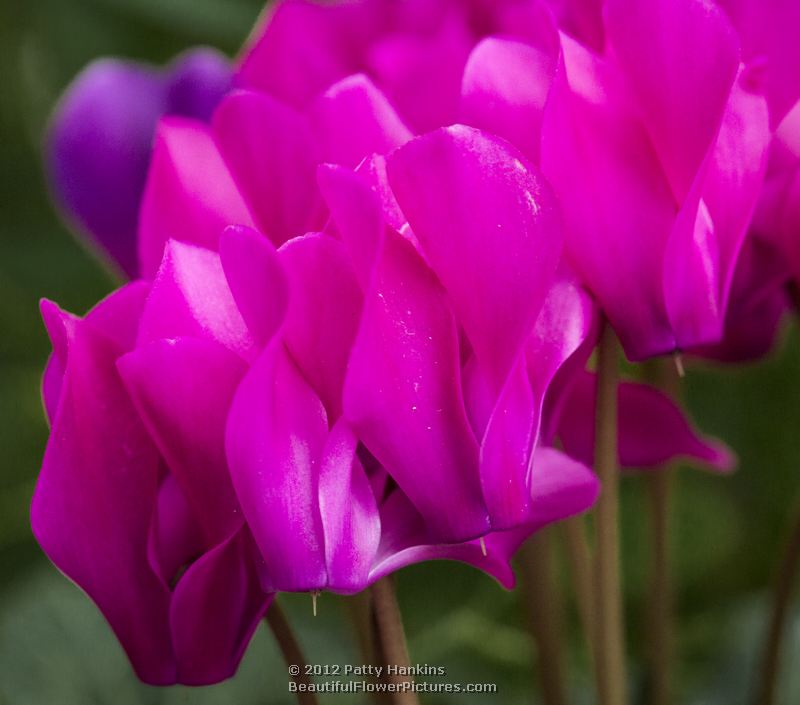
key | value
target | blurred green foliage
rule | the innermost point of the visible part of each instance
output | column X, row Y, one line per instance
column 54, row 646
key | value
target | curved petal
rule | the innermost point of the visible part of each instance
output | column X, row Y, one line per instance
column 190, row 297
column 190, row 195
column 505, row 86
column 402, row 393
column 356, row 213
column 680, row 58
column 186, row 420
column 324, row 308
column 353, row 120
column 600, row 161
column 94, row 498
column 256, row 279
column 270, row 152
column 489, row 227
column 274, row 440
column 350, row 519
column 652, row 429
column 216, row 607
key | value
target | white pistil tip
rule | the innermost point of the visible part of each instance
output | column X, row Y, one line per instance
column 314, row 596
column 678, row 358
column 483, row 546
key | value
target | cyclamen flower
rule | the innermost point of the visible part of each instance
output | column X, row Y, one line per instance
column 99, row 142
column 294, row 419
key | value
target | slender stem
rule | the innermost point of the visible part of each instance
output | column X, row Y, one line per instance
column 360, row 610
column 544, row 606
column 660, row 622
column 667, row 377
column 609, row 633
column 579, row 557
column 784, row 585
column 391, row 636
column 290, row 648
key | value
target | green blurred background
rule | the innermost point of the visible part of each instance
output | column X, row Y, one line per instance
column 55, row 648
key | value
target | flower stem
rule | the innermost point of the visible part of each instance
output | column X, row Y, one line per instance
column 667, row 377
column 543, row 603
column 360, row 610
column 290, row 648
column 609, row 633
column 579, row 557
column 391, row 636
column 660, row 636
column 782, row 595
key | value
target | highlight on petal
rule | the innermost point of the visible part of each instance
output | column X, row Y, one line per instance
column 605, row 241
column 652, row 429
column 275, row 437
column 190, row 195
column 353, row 120
column 256, row 279
column 190, row 297
column 489, row 227
column 350, row 519
column 505, row 86
column 402, row 393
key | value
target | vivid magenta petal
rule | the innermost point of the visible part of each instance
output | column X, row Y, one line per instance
column 270, row 152
column 217, row 605
column 504, row 90
column 680, row 59
column 614, row 247
column 186, row 420
column 256, row 279
column 275, row 438
column 190, row 194
column 652, row 429
column 349, row 512
column 489, row 227
column 190, row 297
column 403, row 393
column 353, row 120
column 324, row 310
column 94, row 497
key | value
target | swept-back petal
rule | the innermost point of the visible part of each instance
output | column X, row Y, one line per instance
column 489, row 227
column 190, row 297
column 403, row 393
column 186, row 420
column 190, row 195
column 256, row 279
column 652, row 429
column 680, row 58
column 271, row 155
column 353, row 120
column 349, row 512
column 324, row 309
column 216, row 607
column 505, row 86
column 94, row 498
column 275, row 437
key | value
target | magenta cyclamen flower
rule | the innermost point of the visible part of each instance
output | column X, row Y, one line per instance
column 295, row 419
column 646, row 123
column 100, row 139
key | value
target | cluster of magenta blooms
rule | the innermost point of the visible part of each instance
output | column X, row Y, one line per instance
column 368, row 264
